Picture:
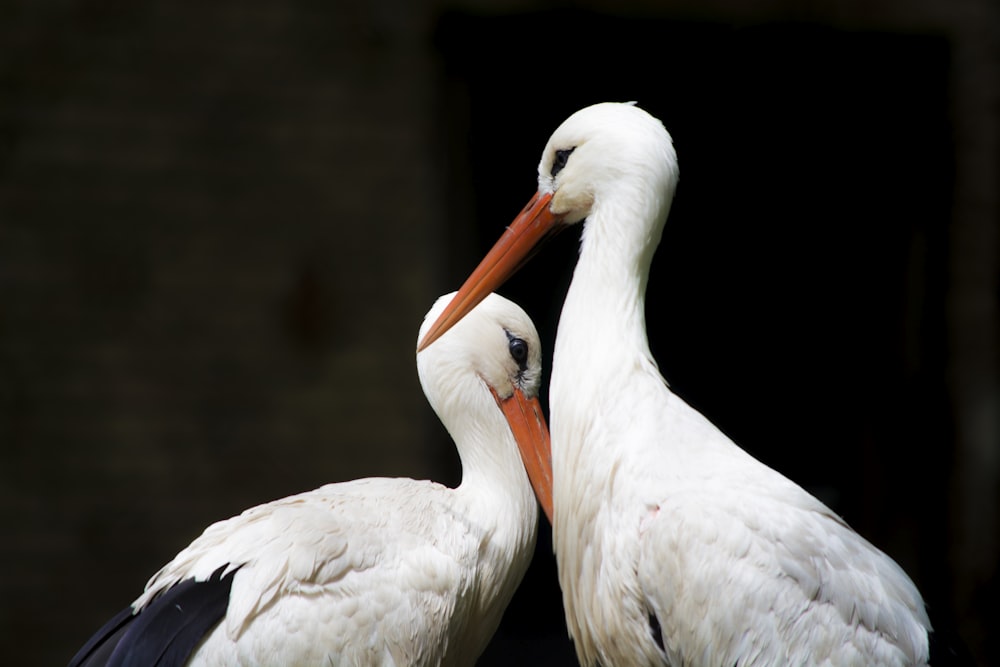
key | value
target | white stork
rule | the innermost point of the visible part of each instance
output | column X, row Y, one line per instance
column 674, row 546
column 374, row 571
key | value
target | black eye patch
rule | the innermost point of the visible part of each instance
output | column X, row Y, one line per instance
column 560, row 161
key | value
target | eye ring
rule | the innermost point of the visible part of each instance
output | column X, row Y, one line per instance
column 518, row 350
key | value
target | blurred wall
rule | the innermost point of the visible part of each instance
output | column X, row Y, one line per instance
column 220, row 226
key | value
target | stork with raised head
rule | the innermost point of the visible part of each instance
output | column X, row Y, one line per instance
column 674, row 546
column 374, row 571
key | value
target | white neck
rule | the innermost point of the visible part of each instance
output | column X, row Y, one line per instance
column 602, row 329
column 492, row 472
column 496, row 494
column 494, row 480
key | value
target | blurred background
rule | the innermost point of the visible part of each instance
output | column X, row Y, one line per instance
column 221, row 224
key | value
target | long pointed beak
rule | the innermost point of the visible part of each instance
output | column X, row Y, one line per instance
column 530, row 227
column 527, row 423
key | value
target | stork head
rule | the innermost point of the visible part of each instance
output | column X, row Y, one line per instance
column 599, row 152
column 604, row 156
column 491, row 359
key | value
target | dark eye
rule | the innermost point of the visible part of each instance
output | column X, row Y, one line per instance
column 518, row 351
column 561, row 157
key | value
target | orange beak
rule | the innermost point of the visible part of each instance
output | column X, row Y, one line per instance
column 527, row 423
column 535, row 223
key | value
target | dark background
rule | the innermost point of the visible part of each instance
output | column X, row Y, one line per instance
column 221, row 224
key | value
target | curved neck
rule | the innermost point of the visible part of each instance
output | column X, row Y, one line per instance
column 603, row 319
column 492, row 472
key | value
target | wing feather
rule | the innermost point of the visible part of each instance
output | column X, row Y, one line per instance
column 409, row 570
column 165, row 632
column 802, row 580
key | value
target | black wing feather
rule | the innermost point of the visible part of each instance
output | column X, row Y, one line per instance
column 166, row 632
column 98, row 648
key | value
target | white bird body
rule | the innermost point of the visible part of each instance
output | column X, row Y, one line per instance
column 385, row 571
column 674, row 546
column 737, row 564
column 368, row 572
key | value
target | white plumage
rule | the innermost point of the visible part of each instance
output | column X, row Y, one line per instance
column 387, row 571
column 674, row 546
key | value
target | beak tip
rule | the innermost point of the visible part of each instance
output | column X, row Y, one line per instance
column 506, row 256
column 432, row 335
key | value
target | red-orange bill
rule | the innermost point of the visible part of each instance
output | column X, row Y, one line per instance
column 530, row 227
column 527, row 423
